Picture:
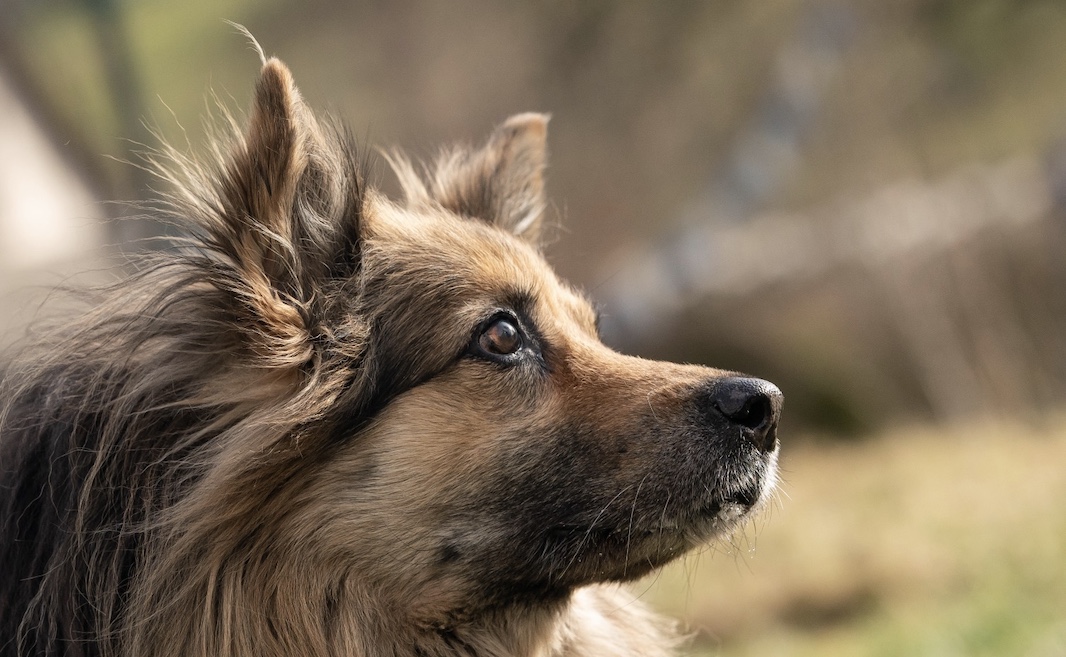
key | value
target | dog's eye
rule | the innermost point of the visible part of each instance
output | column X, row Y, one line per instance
column 501, row 337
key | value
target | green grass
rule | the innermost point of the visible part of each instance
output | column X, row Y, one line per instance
column 920, row 542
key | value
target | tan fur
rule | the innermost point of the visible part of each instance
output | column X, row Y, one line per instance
column 296, row 448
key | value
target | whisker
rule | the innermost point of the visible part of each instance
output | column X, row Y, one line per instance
column 632, row 512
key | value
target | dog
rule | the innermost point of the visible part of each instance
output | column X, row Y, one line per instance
column 326, row 422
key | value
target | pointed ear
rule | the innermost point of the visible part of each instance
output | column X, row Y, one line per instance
column 291, row 209
column 292, row 192
column 266, row 166
column 502, row 182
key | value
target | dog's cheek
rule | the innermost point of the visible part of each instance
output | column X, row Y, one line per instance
column 416, row 471
column 547, row 480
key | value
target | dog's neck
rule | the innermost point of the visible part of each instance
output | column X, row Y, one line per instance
column 280, row 607
column 595, row 621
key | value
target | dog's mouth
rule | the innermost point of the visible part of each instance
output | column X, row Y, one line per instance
column 723, row 511
column 746, row 497
column 628, row 549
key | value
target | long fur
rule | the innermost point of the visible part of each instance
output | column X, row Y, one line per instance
column 137, row 419
column 198, row 465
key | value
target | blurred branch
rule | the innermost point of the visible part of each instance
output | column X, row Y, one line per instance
column 900, row 220
column 963, row 338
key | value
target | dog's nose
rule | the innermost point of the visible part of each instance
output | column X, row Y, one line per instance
column 753, row 404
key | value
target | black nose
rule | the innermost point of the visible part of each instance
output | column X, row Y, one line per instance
column 751, row 403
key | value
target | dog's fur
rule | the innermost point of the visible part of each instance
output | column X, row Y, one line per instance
column 294, row 434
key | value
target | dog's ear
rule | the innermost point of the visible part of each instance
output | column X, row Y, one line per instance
column 503, row 181
column 265, row 168
column 290, row 199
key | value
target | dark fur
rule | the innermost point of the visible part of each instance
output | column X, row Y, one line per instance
column 276, row 438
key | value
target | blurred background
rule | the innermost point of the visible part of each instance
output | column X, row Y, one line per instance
column 862, row 201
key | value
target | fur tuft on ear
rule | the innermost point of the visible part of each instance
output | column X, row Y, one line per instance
column 501, row 183
column 265, row 169
column 280, row 218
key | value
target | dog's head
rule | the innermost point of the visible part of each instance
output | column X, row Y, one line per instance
column 478, row 442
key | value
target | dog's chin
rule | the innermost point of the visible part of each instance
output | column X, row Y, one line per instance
column 721, row 519
column 716, row 520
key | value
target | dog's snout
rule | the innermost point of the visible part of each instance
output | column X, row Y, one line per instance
column 751, row 403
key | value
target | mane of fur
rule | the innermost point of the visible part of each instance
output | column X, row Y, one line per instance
column 174, row 410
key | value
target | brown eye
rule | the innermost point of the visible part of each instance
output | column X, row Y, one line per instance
column 501, row 337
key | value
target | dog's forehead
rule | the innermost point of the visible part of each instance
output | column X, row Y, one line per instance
column 482, row 253
column 476, row 257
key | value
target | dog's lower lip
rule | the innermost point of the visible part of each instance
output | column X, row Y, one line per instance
column 712, row 509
